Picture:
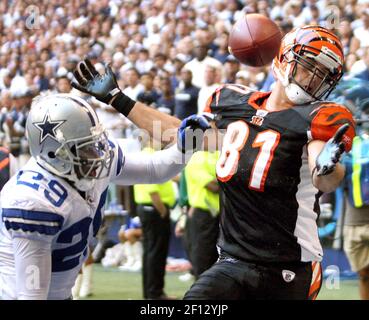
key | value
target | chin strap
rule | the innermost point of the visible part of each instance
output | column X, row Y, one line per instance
column 84, row 184
column 297, row 95
column 80, row 184
column 294, row 93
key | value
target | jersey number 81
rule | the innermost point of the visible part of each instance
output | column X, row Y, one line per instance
column 234, row 140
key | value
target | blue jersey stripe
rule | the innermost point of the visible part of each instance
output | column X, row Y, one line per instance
column 120, row 160
column 39, row 216
column 98, row 215
column 111, row 144
column 42, row 229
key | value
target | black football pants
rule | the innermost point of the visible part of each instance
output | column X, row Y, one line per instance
column 232, row 279
column 156, row 236
column 202, row 231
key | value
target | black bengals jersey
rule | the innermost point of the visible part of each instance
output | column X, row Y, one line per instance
column 259, row 173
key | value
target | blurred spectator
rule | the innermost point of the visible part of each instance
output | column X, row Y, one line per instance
column 118, row 61
column 143, row 63
column 198, row 64
column 148, row 95
column 108, row 235
column 243, row 78
column 231, row 67
column 180, row 228
column 131, row 60
column 205, row 35
column 183, row 29
column 221, row 53
column 211, row 82
column 166, row 101
column 179, row 62
column 360, row 66
column 345, row 33
column 185, row 47
column 277, row 10
column 311, row 12
column 132, row 79
column 257, row 75
column 160, row 63
column 131, row 235
column 5, row 80
column 314, row 16
column 202, row 225
column 154, row 203
column 361, row 34
column 364, row 75
column 63, row 84
column 14, row 124
column 5, row 103
column 186, row 96
column 293, row 12
column 41, row 79
column 263, row 7
column 349, row 8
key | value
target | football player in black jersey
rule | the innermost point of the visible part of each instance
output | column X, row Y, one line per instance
column 269, row 246
column 275, row 144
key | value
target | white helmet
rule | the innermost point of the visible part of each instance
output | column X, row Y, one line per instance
column 66, row 138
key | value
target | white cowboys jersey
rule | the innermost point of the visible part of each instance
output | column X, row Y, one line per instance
column 38, row 205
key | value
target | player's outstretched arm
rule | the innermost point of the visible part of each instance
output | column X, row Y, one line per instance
column 32, row 268
column 105, row 88
column 327, row 172
column 163, row 165
column 155, row 122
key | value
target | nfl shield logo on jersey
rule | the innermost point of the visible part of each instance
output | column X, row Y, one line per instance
column 288, row 275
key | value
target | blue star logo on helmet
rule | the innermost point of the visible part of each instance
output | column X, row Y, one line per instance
column 48, row 127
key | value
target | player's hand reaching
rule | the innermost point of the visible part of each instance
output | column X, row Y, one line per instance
column 102, row 87
column 331, row 153
column 191, row 133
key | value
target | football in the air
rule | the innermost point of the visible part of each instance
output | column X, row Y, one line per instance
column 254, row 40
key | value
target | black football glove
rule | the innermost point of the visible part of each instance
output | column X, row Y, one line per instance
column 102, row 87
column 331, row 153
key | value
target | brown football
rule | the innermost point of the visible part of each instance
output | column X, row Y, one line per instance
column 254, row 40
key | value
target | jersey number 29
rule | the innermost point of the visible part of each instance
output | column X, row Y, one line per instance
column 234, row 140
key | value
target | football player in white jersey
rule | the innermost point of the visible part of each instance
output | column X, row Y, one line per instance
column 53, row 206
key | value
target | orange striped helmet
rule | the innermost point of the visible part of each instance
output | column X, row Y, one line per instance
column 317, row 53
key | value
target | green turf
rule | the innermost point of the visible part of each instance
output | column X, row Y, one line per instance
column 112, row 284
column 347, row 290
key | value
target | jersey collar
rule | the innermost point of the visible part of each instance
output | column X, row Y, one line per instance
column 258, row 99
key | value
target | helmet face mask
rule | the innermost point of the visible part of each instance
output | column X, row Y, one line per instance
column 311, row 76
column 88, row 158
column 309, row 64
column 66, row 138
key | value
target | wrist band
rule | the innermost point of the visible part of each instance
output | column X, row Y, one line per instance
column 123, row 104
